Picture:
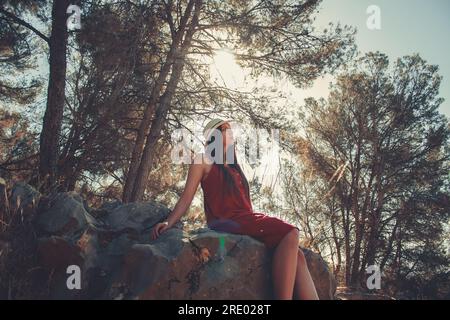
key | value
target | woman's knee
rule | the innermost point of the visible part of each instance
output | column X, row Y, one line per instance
column 293, row 236
column 301, row 257
column 295, row 233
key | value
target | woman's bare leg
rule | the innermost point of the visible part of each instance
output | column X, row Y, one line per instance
column 284, row 266
column 304, row 286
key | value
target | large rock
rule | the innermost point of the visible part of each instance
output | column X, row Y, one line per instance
column 63, row 214
column 24, row 198
column 191, row 267
column 138, row 216
column 118, row 260
column 322, row 276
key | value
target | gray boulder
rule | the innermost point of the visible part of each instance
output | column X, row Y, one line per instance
column 190, row 266
column 64, row 215
column 24, row 198
column 321, row 274
column 138, row 216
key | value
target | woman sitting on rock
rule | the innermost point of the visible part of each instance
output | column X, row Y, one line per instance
column 228, row 208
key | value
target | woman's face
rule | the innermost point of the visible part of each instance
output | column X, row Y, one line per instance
column 227, row 135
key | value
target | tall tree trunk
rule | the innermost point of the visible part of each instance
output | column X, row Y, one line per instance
column 337, row 244
column 51, row 128
column 355, row 271
column 358, row 214
column 348, row 258
column 146, row 162
column 390, row 245
column 143, row 131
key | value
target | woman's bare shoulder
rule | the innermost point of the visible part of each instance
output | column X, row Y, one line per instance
column 201, row 158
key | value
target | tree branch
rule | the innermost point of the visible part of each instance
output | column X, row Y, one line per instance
column 25, row 24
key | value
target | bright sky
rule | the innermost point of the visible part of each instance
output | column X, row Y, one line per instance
column 407, row 26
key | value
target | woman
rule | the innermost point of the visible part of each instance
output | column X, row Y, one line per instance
column 228, row 208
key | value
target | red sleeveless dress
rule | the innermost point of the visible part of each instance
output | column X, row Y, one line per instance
column 233, row 213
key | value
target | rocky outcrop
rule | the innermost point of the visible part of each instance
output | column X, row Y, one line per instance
column 118, row 260
column 322, row 276
column 190, row 267
column 24, row 198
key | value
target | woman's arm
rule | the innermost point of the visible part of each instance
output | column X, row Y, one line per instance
column 193, row 179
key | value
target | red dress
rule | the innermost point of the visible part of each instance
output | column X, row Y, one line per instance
column 233, row 213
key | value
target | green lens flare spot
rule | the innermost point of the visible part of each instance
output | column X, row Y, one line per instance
column 221, row 248
column 222, row 242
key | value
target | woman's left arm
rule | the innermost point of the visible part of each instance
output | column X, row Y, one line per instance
column 193, row 180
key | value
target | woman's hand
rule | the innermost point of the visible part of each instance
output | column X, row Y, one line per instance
column 159, row 228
